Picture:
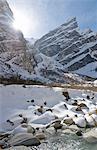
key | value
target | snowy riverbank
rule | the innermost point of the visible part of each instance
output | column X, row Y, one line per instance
column 41, row 107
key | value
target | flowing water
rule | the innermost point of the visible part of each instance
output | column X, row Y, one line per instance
column 61, row 141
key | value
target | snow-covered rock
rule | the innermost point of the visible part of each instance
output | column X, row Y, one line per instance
column 95, row 83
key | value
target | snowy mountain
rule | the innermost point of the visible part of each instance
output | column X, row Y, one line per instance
column 70, row 49
column 48, row 59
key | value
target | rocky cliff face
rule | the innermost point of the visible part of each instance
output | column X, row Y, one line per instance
column 73, row 50
column 13, row 49
column 10, row 39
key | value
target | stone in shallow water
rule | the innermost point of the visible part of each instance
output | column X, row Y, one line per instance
column 40, row 136
column 19, row 148
column 68, row 120
column 25, row 139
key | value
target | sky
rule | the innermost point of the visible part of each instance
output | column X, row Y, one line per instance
column 38, row 17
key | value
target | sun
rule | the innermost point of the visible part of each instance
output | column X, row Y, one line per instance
column 21, row 22
column 25, row 21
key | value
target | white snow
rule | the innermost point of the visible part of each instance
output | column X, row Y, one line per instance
column 88, row 70
column 13, row 101
column 15, row 97
column 95, row 83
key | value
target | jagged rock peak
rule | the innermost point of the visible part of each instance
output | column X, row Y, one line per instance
column 71, row 25
column 70, row 22
column 87, row 31
column 72, row 48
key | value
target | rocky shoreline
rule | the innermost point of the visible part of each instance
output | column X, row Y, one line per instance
column 33, row 126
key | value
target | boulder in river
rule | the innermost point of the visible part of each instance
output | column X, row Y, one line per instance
column 25, row 139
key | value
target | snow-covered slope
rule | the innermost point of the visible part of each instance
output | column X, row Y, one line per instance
column 14, row 58
column 70, row 49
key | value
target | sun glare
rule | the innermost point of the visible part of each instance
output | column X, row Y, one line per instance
column 25, row 22
column 21, row 22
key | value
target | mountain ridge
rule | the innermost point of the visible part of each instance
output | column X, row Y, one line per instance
column 70, row 47
column 52, row 58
